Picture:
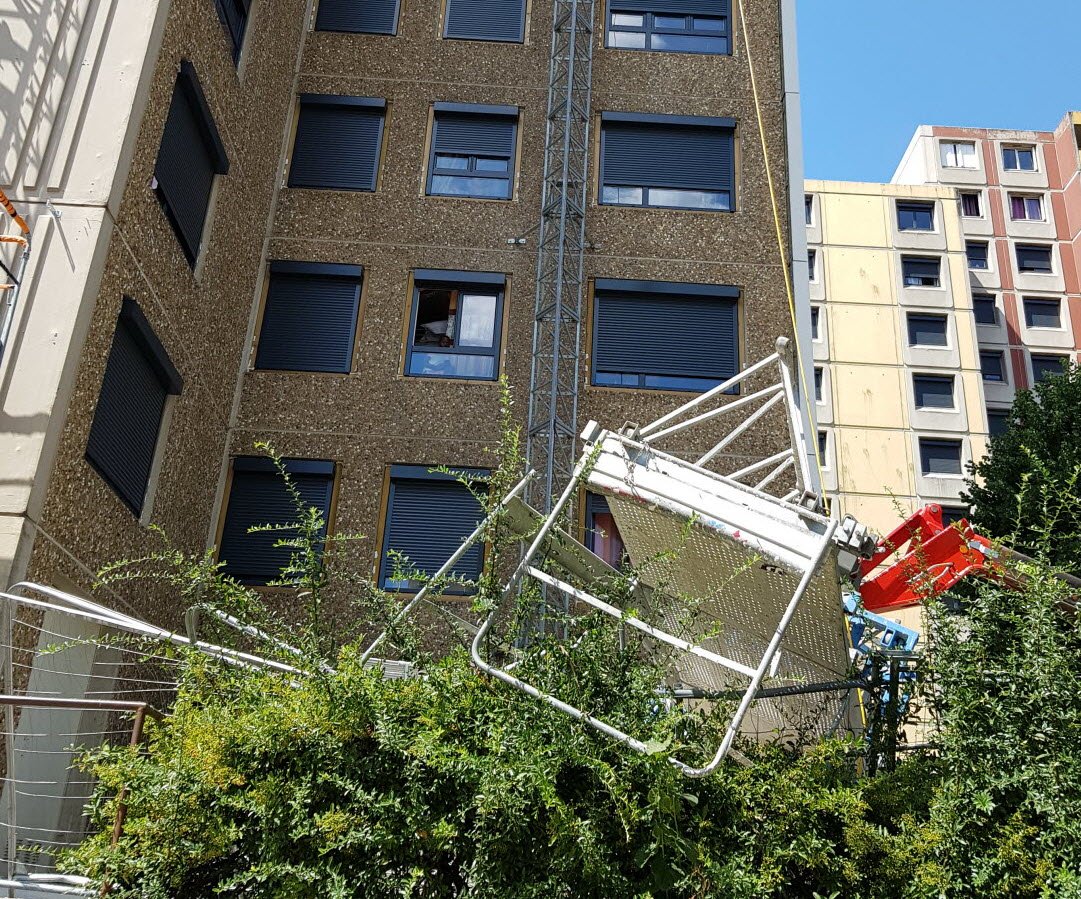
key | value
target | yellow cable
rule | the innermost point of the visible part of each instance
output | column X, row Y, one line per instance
column 778, row 226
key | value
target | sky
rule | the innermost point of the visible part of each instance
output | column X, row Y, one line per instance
column 871, row 71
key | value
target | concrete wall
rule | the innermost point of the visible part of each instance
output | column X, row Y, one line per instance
column 867, row 410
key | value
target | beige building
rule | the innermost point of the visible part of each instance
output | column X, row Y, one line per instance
column 317, row 224
column 899, row 397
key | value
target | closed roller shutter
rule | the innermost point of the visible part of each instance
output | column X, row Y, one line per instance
column 337, row 143
column 310, row 319
column 361, row 16
column 259, row 496
column 654, row 154
column 486, row 20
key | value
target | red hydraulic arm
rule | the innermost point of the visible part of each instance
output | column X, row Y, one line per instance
column 934, row 556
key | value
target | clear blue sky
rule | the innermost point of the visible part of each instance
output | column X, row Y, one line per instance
column 872, row 70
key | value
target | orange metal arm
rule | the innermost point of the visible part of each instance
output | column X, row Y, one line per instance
column 14, row 213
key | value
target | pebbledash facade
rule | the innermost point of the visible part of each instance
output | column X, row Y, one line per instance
column 935, row 299
column 311, row 225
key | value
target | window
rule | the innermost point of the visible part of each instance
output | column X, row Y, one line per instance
column 823, row 445
column 1019, row 159
column 970, row 204
column 310, row 317
column 986, row 312
column 912, row 216
column 1034, row 258
column 812, row 267
column 927, row 329
column 1045, row 365
column 815, row 311
column 998, row 421
column 602, row 535
column 808, row 208
column 472, row 151
column 818, row 383
column 976, row 251
column 455, row 325
column 682, row 162
column 485, row 20
column 992, row 366
column 234, row 16
column 258, row 496
column 953, row 514
column 921, row 271
column 673, row 26
column 940, row 457
column 933, row 391
column 664, row 336
column 338, row 142
column 367, row 17
column 139, row 377
column 958, row 154
column 1042, row 313
column 1026, row 208
column 429, row 516
column 190, row 155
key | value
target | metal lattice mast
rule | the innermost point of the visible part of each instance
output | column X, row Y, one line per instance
column 553, row 386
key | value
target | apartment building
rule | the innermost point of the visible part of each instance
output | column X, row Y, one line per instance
column 1019, row 198
column 898, row 390
column 316, row 224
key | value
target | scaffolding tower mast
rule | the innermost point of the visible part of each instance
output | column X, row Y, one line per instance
column 557, row 329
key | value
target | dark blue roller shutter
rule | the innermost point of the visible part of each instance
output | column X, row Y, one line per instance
column 673, row 7
column 474, row 135
column 662, row 334
column 428, row 519
column 486, row 20
column 920, row 266
column 927, row 330
column 190, row 155
column 653, row 154
column 1034, row 258
column 940, row 457
column 234, row 15
column 127, row 418
column 310, row 319
column 364, row 16
column 337, row 143
column 258, row 496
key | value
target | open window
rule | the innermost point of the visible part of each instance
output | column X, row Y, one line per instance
column 456, row 324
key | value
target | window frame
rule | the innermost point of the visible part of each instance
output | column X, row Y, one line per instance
column 649, row 28
column 939, row 378
column 484, row 283
column 1026, row 199
column 983, row 245
column 1050, row 270
column 315, row 270
column 1063, row 359
column 955, row 143
column 808, row 209
column 1016, row 150
column 391, row 33
column 816, row 321
column 264, row 465
column 994, row 323
column 912, row 208
column 134, row 323
column 910, row 316
column 398, row 472
column 819, row 383
column 187, row 82
column 479, row 111
column 823, row 439
column 236, row 40
column 924, row 441
column 997, row 414
column 1000, row 357
column 812, row 264
column 1027, row 302
column 729, row 295
column 596, row 504
column 341, row 101
column 975, row 195
column 728, row 125
column 906, row 257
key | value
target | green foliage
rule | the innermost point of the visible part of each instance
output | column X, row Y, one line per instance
column 341, row 783
column 1031, row 475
